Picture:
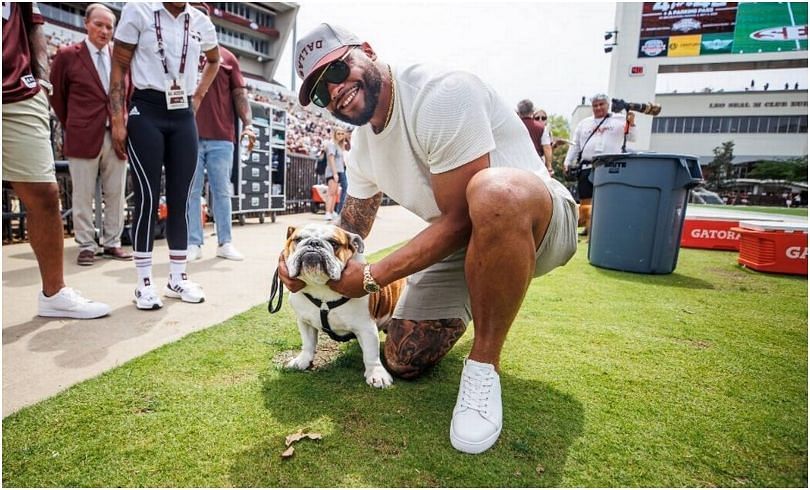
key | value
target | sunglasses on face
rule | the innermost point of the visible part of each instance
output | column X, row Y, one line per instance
column 541, row 118
column 335, row 72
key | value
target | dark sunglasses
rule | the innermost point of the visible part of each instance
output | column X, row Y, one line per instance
column 541, row 118
column 335, row 72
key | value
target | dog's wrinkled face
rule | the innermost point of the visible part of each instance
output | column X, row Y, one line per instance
column 317, row 253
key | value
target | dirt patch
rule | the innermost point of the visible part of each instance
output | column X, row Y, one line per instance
column 325, row 354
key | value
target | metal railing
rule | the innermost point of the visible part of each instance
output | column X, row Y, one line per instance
column 301, row 177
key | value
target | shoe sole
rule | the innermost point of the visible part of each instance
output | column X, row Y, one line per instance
column 113, row 257
column 155, row 306
column 473, row 448
column 85, row 264
column 171, row 294
column 75, row 315
column 236, row 259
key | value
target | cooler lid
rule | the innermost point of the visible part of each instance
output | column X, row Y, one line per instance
column 758, row 225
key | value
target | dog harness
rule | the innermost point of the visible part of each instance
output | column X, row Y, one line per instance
column 325, row 307
column 276, row 292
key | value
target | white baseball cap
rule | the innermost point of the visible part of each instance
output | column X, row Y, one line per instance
column 323, row 45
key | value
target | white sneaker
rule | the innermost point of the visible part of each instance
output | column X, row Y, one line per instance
column 146, row 298
column 478, row 415
column 188, row 291
column 228, row 251
column 69, row 303
column 327, row 217
column 193, row 252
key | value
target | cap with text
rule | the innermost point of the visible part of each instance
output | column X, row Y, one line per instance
column 323, row 45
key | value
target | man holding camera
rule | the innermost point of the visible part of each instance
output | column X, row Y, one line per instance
column 600, row 134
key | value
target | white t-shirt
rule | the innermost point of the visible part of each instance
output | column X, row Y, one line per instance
column 137, row 26
column 441, row 120
column 607, row 139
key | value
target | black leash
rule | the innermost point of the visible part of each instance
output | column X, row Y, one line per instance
column 277, row 288
column 325, row 308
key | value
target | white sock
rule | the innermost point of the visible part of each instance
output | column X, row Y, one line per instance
column 143, row 265
column 177, row 266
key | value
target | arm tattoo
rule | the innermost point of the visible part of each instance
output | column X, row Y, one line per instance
column 242, row 105
column 412, row 346
column 358, row 214
column 39, row 51
column 122, row 56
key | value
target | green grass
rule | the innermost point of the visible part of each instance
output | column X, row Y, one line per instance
column 757, row 209
column 610, row 379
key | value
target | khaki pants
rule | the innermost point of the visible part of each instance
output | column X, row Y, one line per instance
column 84, row 172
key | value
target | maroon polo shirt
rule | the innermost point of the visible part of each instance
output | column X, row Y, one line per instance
column 18, row 78
column 536, row 129
column 215, row 117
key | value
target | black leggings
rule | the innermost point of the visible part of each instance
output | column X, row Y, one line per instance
column 160, row 138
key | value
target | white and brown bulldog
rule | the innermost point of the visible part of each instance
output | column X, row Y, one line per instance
column 315, row 254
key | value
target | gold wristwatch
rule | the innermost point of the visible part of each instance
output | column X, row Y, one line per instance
column 369, row 284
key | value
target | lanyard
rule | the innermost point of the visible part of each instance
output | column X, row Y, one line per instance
column 160, row 44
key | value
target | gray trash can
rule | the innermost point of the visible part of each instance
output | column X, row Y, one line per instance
column 639, row 203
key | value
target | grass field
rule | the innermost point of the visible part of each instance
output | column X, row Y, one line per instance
column 610, row 379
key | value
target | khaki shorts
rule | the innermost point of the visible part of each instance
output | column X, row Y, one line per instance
column 440, row 291
column 27, row 152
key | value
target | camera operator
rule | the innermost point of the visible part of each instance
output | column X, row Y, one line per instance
column 600, row 134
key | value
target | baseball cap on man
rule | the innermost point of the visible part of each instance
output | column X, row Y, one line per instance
column 323, row 45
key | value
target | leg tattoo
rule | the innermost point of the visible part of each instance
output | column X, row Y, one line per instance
column 411, row 347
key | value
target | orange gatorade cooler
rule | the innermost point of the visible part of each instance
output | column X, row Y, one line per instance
column 768, row 246
column 710, row 233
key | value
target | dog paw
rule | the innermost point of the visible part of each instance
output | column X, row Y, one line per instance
column 299, row 362
column 378, row 377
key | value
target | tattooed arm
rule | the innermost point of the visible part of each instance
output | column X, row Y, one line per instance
column 240, row 102
column 121, row 58
column 358, row 214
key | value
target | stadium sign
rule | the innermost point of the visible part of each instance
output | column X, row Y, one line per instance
column 707, row 28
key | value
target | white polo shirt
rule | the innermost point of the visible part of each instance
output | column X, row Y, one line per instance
column 137, row 26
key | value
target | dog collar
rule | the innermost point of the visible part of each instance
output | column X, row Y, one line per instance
column 325, row 307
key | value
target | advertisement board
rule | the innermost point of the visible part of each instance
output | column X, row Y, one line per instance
column 670, row 29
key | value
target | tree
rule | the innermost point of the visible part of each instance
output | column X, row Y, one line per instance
column 720, row 167
column 793, row 170
column 560, row 131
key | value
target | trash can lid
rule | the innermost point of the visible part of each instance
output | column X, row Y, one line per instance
column 757, row 225
column 609, row 157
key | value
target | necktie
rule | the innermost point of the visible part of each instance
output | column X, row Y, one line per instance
column 103, row 72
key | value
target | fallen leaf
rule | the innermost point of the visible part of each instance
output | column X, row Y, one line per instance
column 288, row 452
column 314, row 436
column 540, row 470
column 294, row 437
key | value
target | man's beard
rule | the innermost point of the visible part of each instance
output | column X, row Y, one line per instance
column 372, row 82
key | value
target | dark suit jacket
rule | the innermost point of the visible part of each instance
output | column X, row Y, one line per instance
column 79, row 101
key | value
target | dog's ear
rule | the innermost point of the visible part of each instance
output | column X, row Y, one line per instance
column 356, row 242
column 290, row 231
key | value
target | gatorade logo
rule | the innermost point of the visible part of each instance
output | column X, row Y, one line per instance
column 796, row 253
column 715, row 234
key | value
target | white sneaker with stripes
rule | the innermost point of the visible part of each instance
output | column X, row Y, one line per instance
column 188, row 291
column 146, row 298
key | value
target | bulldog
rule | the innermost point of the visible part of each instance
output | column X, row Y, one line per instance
column 315, row 254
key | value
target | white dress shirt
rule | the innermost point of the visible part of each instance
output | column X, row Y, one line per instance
column 95, row 53
column 137, row 26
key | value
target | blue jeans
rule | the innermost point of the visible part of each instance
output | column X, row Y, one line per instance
column 344, row 184
column 216, row 158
